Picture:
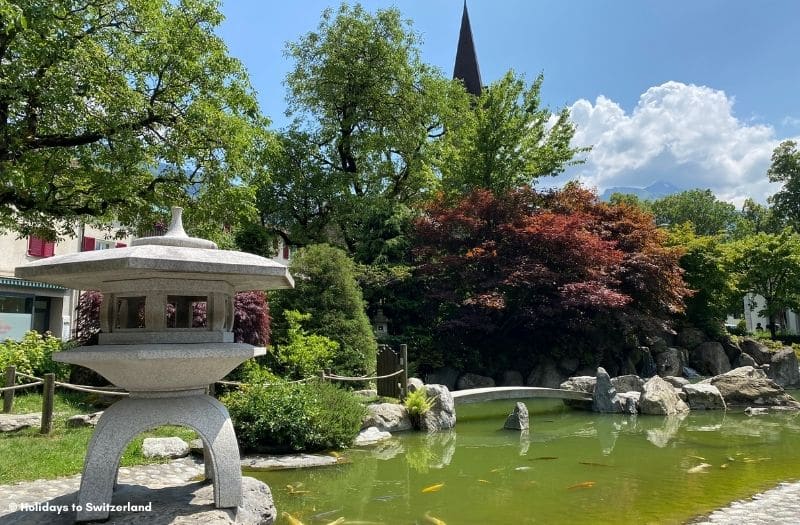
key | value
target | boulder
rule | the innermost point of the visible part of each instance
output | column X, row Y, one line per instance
column 760, row 353
column 196, row 447
column 443, row 376
column 368, row 393
column 744, row 360
column 783, row 368
column 703, row 396
column 676, row 381
column 580, row 384
column 84, row 420
column 414, row 384
column 627, row 383
column 670, row 362
column 629, row 401
column 168, row 447
column 470, row 380
column 689, row 337
column 388, row 417
column 604, row 398
column 656, row 345
column 709, row 359
column 518, row 419
column 442, row 415
column 511, row 378
column 12, row 422
column 370, row 436
column 748, row 386
column 732, row 350
column 659, row 397
column 645, row 363
column 545, row 375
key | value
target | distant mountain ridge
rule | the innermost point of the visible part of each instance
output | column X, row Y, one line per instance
column 656, row 190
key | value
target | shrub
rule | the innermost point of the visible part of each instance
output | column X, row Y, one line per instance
column 294, row 416
column 88, row 323
column 33, row 354
column 417, row 404
column 303, row 354
column 326, row 288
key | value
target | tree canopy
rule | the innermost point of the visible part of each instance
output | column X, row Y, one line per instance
column 708, row 215
column 108, row 108
column 785, row 168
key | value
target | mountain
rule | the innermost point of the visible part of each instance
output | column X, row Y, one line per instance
column 654, row 191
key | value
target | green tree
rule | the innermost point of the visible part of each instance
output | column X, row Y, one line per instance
column 508, row 140
column 326, row 288
column 367, row 112
column 708, row 215
column 785, row 168
column 111, row 109
column 756, row 218
column 629, row 199
column 302, row 354
column 769, row 265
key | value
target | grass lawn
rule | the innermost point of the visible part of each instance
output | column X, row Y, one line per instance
column 28, row 455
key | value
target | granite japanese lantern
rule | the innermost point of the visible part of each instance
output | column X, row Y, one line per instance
column 166, row 333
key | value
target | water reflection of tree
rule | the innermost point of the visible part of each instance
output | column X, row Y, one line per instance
column 435, row 450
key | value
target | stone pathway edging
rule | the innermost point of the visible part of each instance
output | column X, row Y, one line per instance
column 776, row 506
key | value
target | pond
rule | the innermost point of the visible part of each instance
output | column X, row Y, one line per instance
column 572, row 467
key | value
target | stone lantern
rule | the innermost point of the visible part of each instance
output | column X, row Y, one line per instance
column 155, row 343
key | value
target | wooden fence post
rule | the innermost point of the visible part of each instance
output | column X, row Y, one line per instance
column 404, row 375
column 48, row 391
column 8, row 395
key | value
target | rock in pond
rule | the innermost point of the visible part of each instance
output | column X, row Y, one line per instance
column 370, row 436
column 628, row 383
column 748, row 386
column 670, row 362
column 518, row 419
column 389, row 417
column 759, row 352
column 703, row 396
column 442, row 415
column 604, row 398
column 580, row 384
column 709, row 359
column 783, row 368
column 659, row 397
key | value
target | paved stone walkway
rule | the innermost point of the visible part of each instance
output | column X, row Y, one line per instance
column 780, row 505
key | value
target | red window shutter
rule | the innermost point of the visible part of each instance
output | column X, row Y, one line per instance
column 88, row 244
column 121, row 245
column 35, row 246
column 285, row 251
column 48, row 248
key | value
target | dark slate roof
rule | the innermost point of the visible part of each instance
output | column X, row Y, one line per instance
column 466, row 67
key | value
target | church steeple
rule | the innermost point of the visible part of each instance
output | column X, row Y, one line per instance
column 466, row 67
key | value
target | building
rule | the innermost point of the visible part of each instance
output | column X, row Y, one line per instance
column 30, row 305
column 788, row 321
column 466, row 66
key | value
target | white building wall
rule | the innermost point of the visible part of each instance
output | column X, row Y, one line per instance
column 753, row 304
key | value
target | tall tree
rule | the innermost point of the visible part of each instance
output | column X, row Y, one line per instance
column 365, row 109
column 508, row 140
column 785, row 168
column 769, row 265
column 108, row 108
column 708, row 215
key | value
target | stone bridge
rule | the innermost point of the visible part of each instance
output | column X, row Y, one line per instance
column 478, row 395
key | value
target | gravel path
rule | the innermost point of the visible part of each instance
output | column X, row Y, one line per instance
column 780, row 505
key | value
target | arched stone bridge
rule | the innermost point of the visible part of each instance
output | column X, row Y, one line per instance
column 478, row 395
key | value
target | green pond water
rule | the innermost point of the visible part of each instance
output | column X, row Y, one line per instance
column 572, row 467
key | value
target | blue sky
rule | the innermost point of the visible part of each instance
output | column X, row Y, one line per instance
column 695, row 92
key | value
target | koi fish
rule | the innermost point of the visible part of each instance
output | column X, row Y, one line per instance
column 699, row 469
column 593, row 464
column 698, row 458
column 433, row 488
column 582, row 485
column 724, row 465
column 543, row 458
column 433, row 520
column 291, row 519
column 484, row 481
column 521, row 469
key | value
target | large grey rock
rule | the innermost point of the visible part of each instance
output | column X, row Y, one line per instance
column 676, row 381
column 659, row 397
column 168, row 447
column 580, row 384
column 443, row 376
column 783, row 368
column 689, row 337
column 370, row 436
column 518, row 419
column 604, row 398
column 470, row 380
column 389, row 417
column 414, row 384
column 442, row 415
column 744, row 360
column 670, row 362
column 546, row 374
column 84, row 420
column 511, row 378
column 629, row 401
column 748, row 386
column 367, row 393
column 642, row 358
column 286, row 461
column 709, row 359
column 656, row 345
column 732, row 350
column 703, row 396
column 759, row 352
column 627, row 383
column 12, row 422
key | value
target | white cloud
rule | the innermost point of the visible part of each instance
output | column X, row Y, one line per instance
column 683, row 134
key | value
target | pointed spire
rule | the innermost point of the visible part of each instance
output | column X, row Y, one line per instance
column 466, row 67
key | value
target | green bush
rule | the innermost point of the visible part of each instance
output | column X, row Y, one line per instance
column 33, row 354
column 417, row 404
column 287, row 417
column 303, row 354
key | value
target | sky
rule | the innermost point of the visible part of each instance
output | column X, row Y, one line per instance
column 696, row 93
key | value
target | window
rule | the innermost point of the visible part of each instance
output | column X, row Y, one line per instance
column 40, row 248
column 90, row 244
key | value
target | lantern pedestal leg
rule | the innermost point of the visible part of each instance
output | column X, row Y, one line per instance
column 126, row 418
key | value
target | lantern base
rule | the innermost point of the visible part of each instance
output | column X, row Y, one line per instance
column 128, row 417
